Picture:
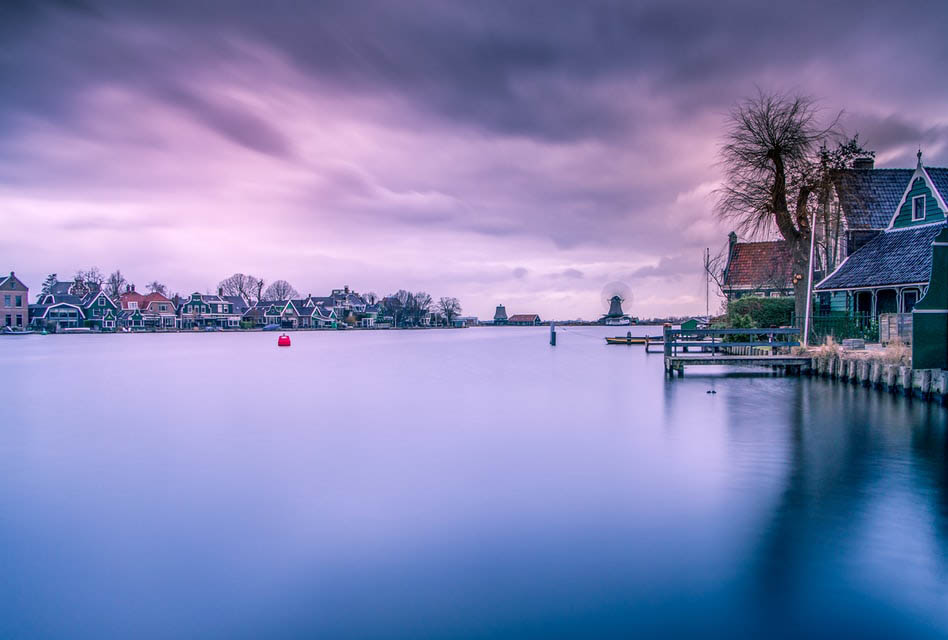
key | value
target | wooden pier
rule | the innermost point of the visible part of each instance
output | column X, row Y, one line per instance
column 732, row 347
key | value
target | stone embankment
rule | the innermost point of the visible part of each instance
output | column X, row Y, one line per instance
column 863, row 369
column 927, row 384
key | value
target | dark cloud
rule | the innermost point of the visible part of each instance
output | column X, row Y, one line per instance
column 539, row 68
column 897, row 133
column 231, row 120
column 583, row 132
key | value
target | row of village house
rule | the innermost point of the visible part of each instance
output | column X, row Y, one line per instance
column 875, row 258
column 70, row 305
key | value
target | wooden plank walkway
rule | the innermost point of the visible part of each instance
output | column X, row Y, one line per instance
column 678, row 363
column 753, row 347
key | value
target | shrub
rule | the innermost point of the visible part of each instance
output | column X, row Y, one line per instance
column 760, row 312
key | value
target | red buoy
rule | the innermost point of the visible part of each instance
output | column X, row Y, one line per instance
column 283, row 341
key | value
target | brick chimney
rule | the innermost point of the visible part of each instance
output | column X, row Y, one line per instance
column 864, row 163
column 220, row 291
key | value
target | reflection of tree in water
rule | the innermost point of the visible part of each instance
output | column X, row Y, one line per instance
column 840, row 445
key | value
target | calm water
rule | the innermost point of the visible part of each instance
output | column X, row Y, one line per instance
column 454, row 484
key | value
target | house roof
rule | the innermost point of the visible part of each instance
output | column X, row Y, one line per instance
column 939, row 176
column 12, row 283
column 759, row 265
column 61, row 288
column 900, row 256
column 240, row 305
column 869, row 197
column 60, row 299
column 523, row 317
column 132, row 296
column 40, row 310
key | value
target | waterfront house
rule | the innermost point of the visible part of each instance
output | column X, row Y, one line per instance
column 524, row 319
column 100, row 311
column 369, row 316
column 201, row 311
column 265, row 312
column 238, row 304
column 320, row 310
column 890, row 272
column 500, row 315
column 14, row 302
column 70, row 305
column 131, row 304
column 757, row 269
column 130, row 299
column 57, row 312
column 158, row 312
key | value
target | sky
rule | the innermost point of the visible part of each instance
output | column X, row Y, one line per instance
column 517, row 152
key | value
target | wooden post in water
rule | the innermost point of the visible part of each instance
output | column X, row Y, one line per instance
column 552, row 334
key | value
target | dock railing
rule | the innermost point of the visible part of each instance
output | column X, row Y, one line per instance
column 713, row 341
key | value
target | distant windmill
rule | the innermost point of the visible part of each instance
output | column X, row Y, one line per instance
column 613, row 295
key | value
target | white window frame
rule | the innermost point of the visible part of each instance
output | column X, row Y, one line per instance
column 914, row 200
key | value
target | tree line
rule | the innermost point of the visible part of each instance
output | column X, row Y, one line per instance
column 408, row 308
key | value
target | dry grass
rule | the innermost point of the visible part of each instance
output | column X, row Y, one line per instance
column 897, row 352
column 830, row 348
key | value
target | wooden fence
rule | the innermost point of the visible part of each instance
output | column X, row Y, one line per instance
column 895, row 327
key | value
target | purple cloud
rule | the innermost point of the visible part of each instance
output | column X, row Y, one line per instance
column 455, row 147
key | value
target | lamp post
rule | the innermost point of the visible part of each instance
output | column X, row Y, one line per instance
column 809, row 281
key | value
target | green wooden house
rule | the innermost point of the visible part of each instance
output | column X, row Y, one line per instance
column 890, row 272
column 100, row 311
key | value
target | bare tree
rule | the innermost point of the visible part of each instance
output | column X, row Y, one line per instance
column 156, row 287
column 239, row 285
column 254, row 289
column 716, row 267
column 115, row 284
column 371, row 297
column 87, row 282
column 774, row 172
column 280, row 290
column 450, row 308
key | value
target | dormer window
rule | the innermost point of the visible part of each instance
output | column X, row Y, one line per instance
column 918, row 208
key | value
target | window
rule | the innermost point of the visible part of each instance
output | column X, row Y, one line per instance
column 918, row 208
column 101, row 301
column 19, row 320
column 6, row 301
column 9, row 320
column 132, row 304
column 19, row 301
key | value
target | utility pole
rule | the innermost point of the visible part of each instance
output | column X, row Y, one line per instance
column 809, row 282
column 707, row 284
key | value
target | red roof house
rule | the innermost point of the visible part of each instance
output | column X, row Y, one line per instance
column 131, row 299
column 758, row 268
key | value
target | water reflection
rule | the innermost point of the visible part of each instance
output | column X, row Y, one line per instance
column 466, row 484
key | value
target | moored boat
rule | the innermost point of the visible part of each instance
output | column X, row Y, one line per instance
column 10, row 331
column 630, row 339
